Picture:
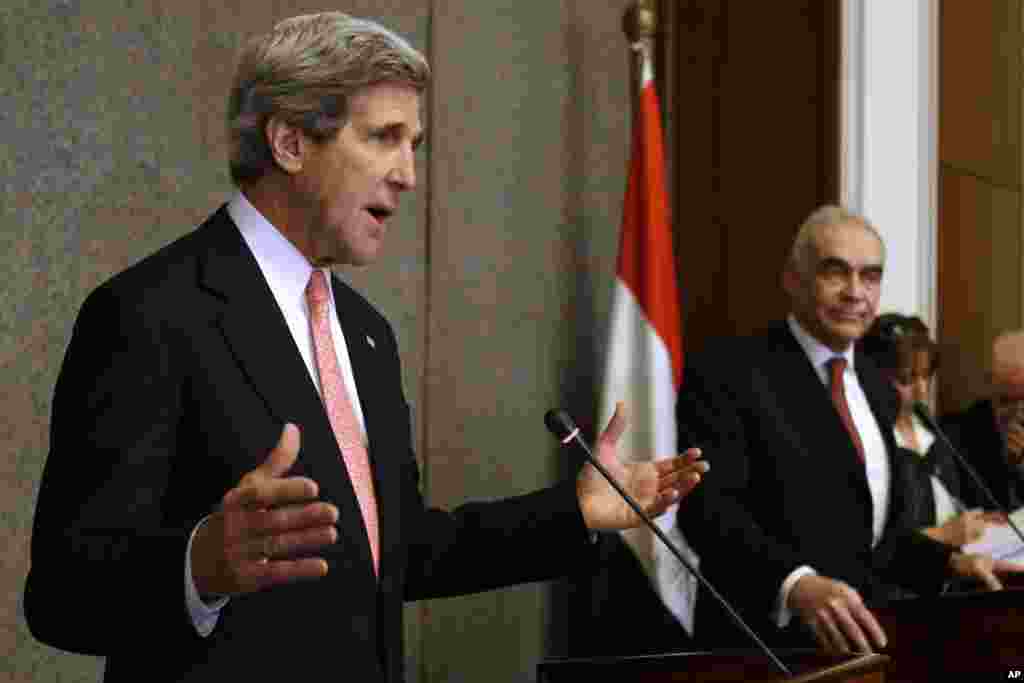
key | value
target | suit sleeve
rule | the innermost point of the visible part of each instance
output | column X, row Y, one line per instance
column 105, row 569
column 483, row 545
column 715, row 517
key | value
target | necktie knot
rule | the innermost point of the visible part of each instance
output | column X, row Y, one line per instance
column 316, row 289
column 836, row 368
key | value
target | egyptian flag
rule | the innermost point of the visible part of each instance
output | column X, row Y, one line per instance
column 644, row 360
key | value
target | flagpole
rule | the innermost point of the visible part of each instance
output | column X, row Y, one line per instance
column 640, row 24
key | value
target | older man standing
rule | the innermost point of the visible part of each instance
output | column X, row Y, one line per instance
column 231, row 493
column 990, row 432
column 804, row 519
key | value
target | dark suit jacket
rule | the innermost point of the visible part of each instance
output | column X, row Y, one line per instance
column 179, row 376
column 786, row 487
column 974, row 434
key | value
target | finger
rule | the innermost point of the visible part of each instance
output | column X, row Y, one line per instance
column 677, row 478
column 290, row 544
column 821, row 636
column 853, row 635
column 616, row 425
column 292, row 518
column 284, row 454
column 834, row 637
column 869, row 623
column 266, row 493
column 681, row 487
column 990, row 580
column 264, row 575
column 687, row 461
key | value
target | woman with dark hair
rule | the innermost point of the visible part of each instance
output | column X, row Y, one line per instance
column 902, row 348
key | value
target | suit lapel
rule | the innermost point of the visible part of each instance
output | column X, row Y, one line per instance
column 805, row 402
column 258, row 336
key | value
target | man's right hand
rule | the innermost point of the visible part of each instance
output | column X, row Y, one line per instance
column 265, row 521
column 836, row 614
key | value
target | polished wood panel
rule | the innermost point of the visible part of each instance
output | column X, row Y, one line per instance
column 754, row 103
column 980, row 259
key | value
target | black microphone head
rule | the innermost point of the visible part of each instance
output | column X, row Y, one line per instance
column 559, row 423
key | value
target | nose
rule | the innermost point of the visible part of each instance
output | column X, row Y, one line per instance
column 854, row 286
column 403, row 173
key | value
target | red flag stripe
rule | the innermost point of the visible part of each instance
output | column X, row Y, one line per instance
column 646, row 254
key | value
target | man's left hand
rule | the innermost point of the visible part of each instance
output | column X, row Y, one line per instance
column 983, row 568
column 655, row 484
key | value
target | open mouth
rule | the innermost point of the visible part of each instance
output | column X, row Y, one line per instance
column 379, row 213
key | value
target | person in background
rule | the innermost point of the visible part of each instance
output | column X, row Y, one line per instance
column 990, row 432
column 903, row 350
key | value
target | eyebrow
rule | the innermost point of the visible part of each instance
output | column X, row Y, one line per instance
column 398, row 127
column 835, row 262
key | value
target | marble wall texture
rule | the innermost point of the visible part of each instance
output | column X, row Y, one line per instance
column 496, row 276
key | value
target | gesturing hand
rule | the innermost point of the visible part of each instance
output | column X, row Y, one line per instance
column 262, row 523
column 655, row 485
column 836, row 615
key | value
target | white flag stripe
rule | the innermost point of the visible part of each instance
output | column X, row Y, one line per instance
column 639, row 371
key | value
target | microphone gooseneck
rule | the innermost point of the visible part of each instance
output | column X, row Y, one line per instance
column 922, row 412
column 561, row 424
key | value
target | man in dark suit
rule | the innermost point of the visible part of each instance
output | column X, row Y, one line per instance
column 803, row 516
column 990, row 432
column 231, row 492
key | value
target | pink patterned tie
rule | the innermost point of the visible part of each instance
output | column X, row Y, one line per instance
column 339, row 408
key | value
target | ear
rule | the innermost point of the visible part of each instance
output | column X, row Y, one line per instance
column 790, row 280
column 287, row 144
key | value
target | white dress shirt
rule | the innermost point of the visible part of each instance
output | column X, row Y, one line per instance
column 876, row 458
column 287, row 272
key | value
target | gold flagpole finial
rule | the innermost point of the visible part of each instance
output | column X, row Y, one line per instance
column 640, row 22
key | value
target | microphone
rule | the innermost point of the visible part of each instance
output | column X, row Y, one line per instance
column 561, row 424
column 921, row 410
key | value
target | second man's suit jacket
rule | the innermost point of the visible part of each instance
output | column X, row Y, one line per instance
column 786, row 486
column 179, row 376
column 977, row 438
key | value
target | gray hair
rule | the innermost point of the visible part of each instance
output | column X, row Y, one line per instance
column 304, row 71
column 803, row 255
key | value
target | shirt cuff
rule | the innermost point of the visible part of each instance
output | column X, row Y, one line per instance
column 783, row 615
column 204, row 616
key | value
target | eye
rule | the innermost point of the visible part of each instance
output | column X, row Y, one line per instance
column 871, row 276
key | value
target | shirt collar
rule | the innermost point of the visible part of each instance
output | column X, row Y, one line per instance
column 286, row 269
column 818, row 353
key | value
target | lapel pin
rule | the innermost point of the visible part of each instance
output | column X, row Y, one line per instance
column 369, row 340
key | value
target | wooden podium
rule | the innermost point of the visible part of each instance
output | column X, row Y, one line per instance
column 723, row 665
column 963, row 636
